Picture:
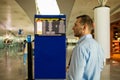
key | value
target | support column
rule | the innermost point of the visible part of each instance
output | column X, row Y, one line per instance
column 102, row 28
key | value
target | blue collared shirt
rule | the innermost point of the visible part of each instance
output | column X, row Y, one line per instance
column 87, row 60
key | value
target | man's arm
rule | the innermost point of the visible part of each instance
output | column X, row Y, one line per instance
column 77, row 64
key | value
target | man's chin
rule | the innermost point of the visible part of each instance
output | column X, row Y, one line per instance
column 76, row 35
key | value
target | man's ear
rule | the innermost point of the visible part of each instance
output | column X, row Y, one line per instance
column 85, row 26
column 93, row 25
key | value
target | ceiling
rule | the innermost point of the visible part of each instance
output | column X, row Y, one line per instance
column 19, row 14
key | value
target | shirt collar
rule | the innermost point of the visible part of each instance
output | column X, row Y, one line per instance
column 84, row 37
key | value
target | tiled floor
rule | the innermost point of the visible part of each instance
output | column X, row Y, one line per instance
column 12, row 68
column 11, row 65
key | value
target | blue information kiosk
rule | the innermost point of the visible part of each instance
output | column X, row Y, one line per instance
column 50, row 47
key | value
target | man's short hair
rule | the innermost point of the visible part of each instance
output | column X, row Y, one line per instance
column 85, row 19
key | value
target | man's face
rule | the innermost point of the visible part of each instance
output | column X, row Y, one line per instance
column 78, row 28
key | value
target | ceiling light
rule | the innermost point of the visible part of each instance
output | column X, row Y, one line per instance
column 47, row 7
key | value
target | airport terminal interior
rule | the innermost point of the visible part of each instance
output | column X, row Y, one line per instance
column 17, row 21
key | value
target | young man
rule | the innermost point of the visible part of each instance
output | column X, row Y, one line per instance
column 88, row 57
